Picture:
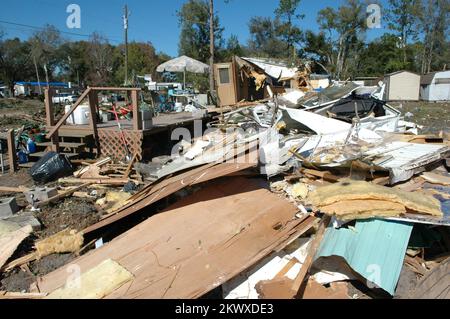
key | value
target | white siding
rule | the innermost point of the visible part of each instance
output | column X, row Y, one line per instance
column 404, row 86
column 441, row 91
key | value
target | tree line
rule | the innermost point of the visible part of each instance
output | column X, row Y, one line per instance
column 417, row 41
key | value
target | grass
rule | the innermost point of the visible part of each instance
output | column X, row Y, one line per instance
column 435, row 117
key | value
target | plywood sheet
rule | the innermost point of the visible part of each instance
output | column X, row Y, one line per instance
column 153, row 193
column 203, row 241
column 10, row 241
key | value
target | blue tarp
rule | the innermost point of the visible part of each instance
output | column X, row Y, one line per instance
column 374, row 248
column 60, row 84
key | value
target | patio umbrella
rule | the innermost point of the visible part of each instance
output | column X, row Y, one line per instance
column 183, row 64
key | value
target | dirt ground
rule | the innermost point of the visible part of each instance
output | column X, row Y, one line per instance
column 19, row 280
column 72, row 212
column 435, row 117
column 17, row 112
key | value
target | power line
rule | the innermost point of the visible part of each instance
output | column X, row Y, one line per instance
column 42, row 28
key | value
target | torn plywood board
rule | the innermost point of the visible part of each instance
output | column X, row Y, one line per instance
column 350, row 199
column 375, row 249
column 95, row 283
column 155, row 192
column 202, row 241
column 10, row 241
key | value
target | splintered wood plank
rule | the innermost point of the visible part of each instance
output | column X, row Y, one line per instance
column 202, row 241
column 10, row 241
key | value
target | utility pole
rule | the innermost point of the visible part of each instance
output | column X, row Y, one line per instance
column 211, row 45
column 125, row 27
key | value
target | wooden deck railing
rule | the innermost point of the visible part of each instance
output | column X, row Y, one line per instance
column 92, row 94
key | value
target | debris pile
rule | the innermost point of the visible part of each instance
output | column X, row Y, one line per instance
column 302, row 195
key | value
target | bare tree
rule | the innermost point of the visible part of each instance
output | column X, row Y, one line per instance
column 100, row 54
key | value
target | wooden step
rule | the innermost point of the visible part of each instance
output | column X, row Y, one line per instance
column 73, row 133
column 63, row 144
column 40, row 154
column 27, row 165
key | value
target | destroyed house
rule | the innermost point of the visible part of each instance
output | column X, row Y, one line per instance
column 246, row 78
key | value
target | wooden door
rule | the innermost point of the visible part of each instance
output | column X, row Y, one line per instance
column 225, row 83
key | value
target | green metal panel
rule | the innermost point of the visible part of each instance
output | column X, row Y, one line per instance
column 374, row 248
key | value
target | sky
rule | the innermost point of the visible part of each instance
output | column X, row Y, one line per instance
column 152, row 21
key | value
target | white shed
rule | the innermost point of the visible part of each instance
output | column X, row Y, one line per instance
column 402, row 86
column 435, row 86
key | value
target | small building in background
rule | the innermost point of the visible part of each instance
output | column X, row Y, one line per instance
column 402, row 86
column 5, row 91
column 367, row 80
column 435, row 86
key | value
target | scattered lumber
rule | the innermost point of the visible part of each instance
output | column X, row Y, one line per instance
column 200, row 242
column 99, row 163
column 130, row 166
column 19, row 189
column 105, row 181
column 325, row 175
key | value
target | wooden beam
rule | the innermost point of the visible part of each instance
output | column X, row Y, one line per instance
column 7, row 189
column 137, row 118
column 105, row 181
column 130, row 166
column 93, row 106
column 300, row 280
column 66, row 116
column 12, row 151
column 50, row 116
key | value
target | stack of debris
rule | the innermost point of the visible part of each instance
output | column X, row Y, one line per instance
column 330, row 196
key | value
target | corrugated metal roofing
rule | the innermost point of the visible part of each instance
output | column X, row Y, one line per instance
column 403, row 158
column 375, row 249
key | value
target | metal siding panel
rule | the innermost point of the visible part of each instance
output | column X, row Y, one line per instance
column 375, row 249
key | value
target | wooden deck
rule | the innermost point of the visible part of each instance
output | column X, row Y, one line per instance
column 160, row 123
